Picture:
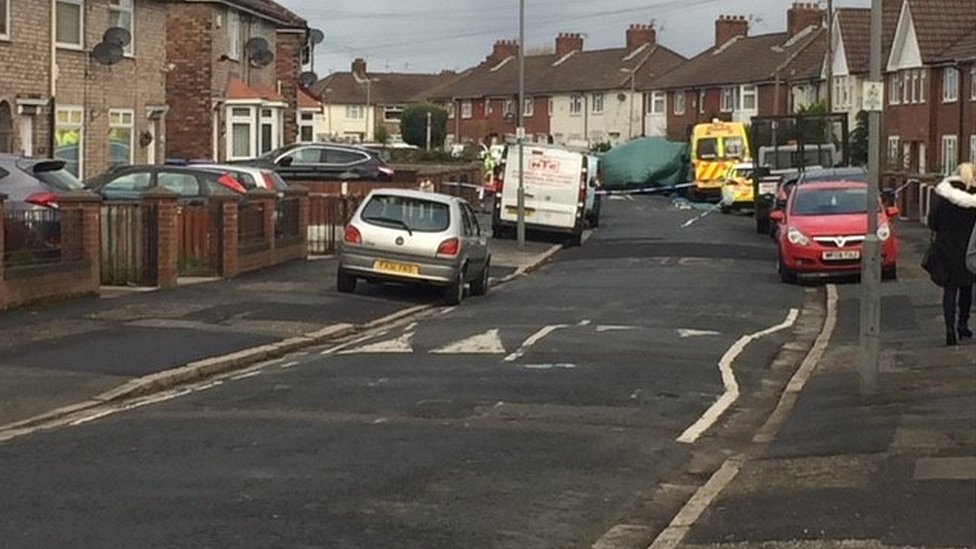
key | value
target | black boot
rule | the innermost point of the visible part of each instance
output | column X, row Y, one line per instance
column 951, row 338
column 964, row 332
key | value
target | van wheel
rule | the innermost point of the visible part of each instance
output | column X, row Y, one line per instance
column 480, row 286
column 345, row 282
column 454, row 293
column 575, row 240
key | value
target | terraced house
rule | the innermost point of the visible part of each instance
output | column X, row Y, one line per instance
column 58, row 98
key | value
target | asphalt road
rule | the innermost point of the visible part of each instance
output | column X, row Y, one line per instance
column 534, row 418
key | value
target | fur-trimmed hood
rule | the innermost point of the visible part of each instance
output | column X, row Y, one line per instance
column 952, row 189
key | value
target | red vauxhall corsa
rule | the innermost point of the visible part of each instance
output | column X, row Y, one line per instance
column 822, row 229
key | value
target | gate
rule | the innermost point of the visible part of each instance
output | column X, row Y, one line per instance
column 123, row 244
column 327, row 218
column 199, row 241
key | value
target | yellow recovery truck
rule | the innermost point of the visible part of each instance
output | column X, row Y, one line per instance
column 716, row 147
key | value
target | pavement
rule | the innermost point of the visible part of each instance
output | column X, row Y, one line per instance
column 894, row 470
column 62, row 354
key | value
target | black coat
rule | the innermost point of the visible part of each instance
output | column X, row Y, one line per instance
column 952, row 217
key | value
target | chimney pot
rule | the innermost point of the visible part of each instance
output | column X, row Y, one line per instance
column 640, row 34
column 568, row 42
column 728, row 27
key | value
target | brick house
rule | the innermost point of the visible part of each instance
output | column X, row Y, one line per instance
column 357, row 102
column 929, row 120
column 573, row 96
column 739, row 77
column 57, row 99
column 228, row 102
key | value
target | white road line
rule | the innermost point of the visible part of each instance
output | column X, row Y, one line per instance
column 551, row 366
column 532, row 340
column 400, row 345
column 788, row 399
column 486, row 343
column 246, row 375
column 289, row 365
column 616, row 328
column 357, row 341
column 686, row 333
column 731, row 393
column 585, row 323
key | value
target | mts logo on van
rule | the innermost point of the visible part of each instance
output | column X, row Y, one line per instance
column 544, row 165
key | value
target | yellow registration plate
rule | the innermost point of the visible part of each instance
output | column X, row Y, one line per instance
column 396, row 268
column 529, row 212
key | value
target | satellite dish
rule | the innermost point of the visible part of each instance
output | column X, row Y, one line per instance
column 117, row 35
column 262, row 58
column 621, row 97
column 307, row 79
column 107, row 53
column 256, row 45
column 315, row 36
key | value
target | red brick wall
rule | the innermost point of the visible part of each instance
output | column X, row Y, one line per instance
column 25, row 59
column 768, row 103
column 189, row 42
column 969, row 111
column 679, row 125
column 288, row 50
column 484, row 123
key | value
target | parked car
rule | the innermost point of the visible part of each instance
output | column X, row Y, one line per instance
column 252, row 177
column 789, row 182
column 415, row 237
column 823, row 227
column 193, row 184
column 325, row 161
column 32, row 182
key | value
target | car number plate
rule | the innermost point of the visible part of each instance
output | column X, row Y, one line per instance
column 767, row 188
column 840, row 256
column 512, row 210
column 396, row 268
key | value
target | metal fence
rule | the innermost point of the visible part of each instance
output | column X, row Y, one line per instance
column 34, row 237
column 251, row 236
column 327, row 218
column 287, row 223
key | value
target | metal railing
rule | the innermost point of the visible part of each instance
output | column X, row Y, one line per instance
column 34, row 237
column 251, row 236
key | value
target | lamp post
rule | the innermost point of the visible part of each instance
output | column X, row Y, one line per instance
column 369, row 101
column 520, row 131
column 633, row 91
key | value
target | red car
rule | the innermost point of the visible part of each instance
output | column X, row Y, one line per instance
column 823, row 226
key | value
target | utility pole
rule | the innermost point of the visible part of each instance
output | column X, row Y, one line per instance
column 520, row 131
column 870, row 336
column 830, row 56
column 428, row 130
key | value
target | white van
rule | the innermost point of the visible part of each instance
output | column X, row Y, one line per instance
column 555, row 192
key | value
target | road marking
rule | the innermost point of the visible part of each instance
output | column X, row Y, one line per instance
column 532, row 340
column 289, row 365
column 486, row 343
column 788, row 399
column 731, row 393
column 246, row 375
column 558, row 365
column 685, row 333
column 585, row 323
column 401, row 344
column 357, row 341
column 676, row 531
column 615, row 328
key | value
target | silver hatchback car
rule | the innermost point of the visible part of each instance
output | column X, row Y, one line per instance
column 416, row 237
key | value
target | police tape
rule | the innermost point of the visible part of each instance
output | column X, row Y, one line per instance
column 645, row 190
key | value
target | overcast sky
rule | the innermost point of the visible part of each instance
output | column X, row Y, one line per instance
column 433, row 35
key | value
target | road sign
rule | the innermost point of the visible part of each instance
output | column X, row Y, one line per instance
column 873, row 96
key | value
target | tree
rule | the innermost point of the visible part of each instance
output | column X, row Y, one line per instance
column 413, row 125
column 381, row 135
column 859, row 140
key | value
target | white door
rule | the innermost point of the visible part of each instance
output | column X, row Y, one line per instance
column 27, row 135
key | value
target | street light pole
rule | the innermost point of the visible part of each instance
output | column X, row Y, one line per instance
column 633, row 86
column 870, row 336
column 520, row 132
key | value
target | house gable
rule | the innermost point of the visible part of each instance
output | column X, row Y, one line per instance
column 840, row 65
column 905, row 53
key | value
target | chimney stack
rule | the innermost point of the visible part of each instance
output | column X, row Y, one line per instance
column 803, row 15
column 639, row 35
column 503, row 49
column 728, row 27
column 359, row 68
column 568, row 42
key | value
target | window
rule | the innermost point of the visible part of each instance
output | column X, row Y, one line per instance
column 914, row 85
column 950, row 84
column 679, row 102
column 923, row 78
column 748, row 98
column 450, row 110
column 728, row 99
column 305, row 156
column 241, row 134
column 120, row 134
column 234, row 35
column 68, row 137
column 70, row 22
column 392, row 113
column 121, row 14
column 306, row 127
column 658, row 103
column 950, row 153
column 701, row 101
column 893, row 150
column 894, row 89
column 528, row 107
column 509, row 108
column 183, row 184
column 576, row 105
column 355, row 112
column 335, row 156
column 269, row 130
column 972, row 83
column 598, row 102
column 129, row 186
column 467, row 109
column 5, row 19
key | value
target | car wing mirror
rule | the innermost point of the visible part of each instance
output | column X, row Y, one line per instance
column 778, row 216
column 892, row 212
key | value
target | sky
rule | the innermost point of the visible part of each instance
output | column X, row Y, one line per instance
column 434, row 35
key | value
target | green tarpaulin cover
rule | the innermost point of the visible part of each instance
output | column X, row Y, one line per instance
column 645, row 162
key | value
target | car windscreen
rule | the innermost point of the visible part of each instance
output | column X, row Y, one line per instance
column 835, row 175
column 707, row 148
column 402, row 212
column 830, row 201
column 54, row 176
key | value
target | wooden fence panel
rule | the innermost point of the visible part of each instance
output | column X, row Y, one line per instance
column 199, row 241
column 123, row 244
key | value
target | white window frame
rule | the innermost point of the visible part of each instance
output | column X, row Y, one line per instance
column 234, row 119
column 234, row 45
column 972, row 148
column 74, row 119
column 950, row 85
column 5, row 18
column 599, row 102
column 355, row 112
column 728, row 100
column 528, row 106
column 450, row 110
column 748, row 90
column 467, row 109
column 273, row 119
column 306, row 120
column 658, row 103
column 117, row 119
column 576, row 104
column 387, row 109
column 894, row 93
column 81, row 25
column 509, row 108
column 701, row 101
column 923, row 78
column 125, row 7
column 950, row 161
column 894, row 149
column 972, row 83
column 679, row 102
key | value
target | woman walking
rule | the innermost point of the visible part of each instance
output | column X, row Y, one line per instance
column 952, row 219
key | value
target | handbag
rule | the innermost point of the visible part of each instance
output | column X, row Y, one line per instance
column 934, row 265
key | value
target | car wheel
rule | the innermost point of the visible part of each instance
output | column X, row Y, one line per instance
column 345, row 282
column 890, row 273
column 725, row 209
column 454, row 293
column 480, row 286
column 786, row 275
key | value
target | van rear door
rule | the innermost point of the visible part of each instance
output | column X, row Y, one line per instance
column 552, row 188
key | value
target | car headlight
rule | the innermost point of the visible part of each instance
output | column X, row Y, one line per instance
column 884, row 232
column 796, row 237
